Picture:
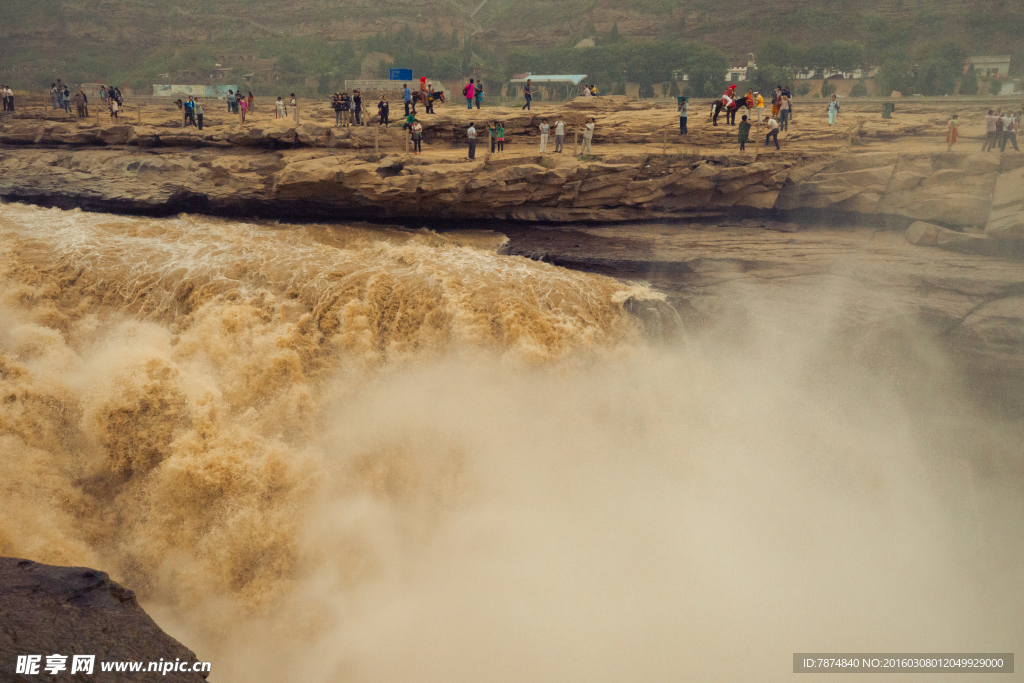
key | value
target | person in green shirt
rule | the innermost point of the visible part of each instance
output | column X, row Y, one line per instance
column 744, row 133
column 492, row 128
column 501, row 137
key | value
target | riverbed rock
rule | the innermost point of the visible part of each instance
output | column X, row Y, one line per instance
column 46, row 610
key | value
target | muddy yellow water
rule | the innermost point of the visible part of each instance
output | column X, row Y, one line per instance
column 358, row 453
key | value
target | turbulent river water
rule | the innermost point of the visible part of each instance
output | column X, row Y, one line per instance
column 360, row 453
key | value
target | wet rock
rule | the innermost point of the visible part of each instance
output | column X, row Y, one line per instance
column 659, row 319
column 46, row 610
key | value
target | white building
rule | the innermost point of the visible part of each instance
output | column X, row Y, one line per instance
column 997, row 66
column 739, row 73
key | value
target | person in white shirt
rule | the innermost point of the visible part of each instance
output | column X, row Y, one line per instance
column 545, row 130
column 1009, row 132
column 559, row 134
column 280, row 108
column 471, row 135
column 588, row 136
column 773, row 132
column 295, row 109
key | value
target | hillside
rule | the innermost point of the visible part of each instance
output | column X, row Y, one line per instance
column 315, row 44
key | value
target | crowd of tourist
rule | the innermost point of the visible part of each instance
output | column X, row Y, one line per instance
column 1001, row 126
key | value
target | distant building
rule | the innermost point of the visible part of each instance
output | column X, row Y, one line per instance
column 997, row 66
column 832, row 73
column 739, row 73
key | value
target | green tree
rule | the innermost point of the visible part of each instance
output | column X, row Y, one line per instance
column 673, row 88
column 894, row 75
column 994, row 87
column 803, row 89
column 646, row 90
column 706, row 68
column 775, row 51
column 613, row 35
column 828, row 88
column 969, row 83
column 939, row 65
column 859, row 89
column 766, row 77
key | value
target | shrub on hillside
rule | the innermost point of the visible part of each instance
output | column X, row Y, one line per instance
column 803, row 90
column 859, row 89
column 994, row 87
column 646, row 91
column 828, row 88
column 969, row 83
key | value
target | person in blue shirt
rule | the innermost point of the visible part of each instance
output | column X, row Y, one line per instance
column 190, row 112
column 407, row 96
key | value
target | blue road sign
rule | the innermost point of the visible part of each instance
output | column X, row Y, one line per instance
column 401, row 74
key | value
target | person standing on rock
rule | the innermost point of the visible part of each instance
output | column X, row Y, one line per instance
column 528, row 94
column 478, row 94
column 252, row 102
column 66, row 100
column 559, row 135
column 492, row 132
column 406, row 97
column 54, row 97
column 773, row 132
column 357, row 107
column 346, row 109
column 471, row 137
column 417, row 137
column 280, row 108
column 199, row 113
column 468, row 92
column 759, row 107
column 232, row 101
column 501, row 137
column 429, row 100
column 833, row 109
column 545, row 130
column 784, row 105
column 684, row 114
column 952, row 128
column 1009, row 132
column 744, row 133
column 295, row 109
column 990, row 131
column 114, row 106
column 79, row 104
column 189, row 109
column 336, row 106
column 243, row 107
column 588, row 136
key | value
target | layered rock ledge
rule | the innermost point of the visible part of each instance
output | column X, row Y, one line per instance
column 885, row 172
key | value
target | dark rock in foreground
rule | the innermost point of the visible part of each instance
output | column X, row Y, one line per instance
column 47, row 610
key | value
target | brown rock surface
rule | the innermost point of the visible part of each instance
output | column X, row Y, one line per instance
column 641, row 168
column 46, row 610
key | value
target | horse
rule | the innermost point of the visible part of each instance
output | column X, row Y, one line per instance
column 730, row 111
